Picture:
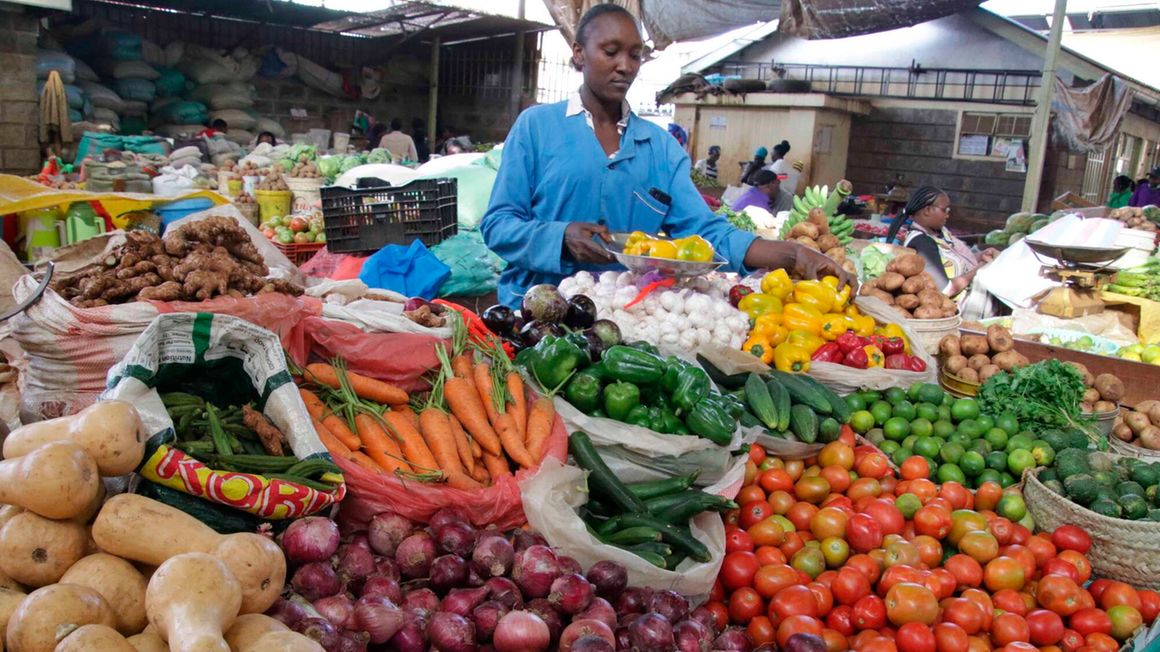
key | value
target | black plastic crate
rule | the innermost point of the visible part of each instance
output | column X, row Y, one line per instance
column 365, row 220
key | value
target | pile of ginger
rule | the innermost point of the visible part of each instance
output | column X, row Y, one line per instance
column 198, row 261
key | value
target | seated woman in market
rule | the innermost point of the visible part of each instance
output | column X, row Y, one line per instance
column 766, row 193
column 576, row 171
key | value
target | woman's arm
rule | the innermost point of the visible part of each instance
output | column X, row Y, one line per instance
column 928, row 249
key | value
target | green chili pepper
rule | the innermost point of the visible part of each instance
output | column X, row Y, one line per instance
column 619, row 399
column 583, row 391
column 626, row 364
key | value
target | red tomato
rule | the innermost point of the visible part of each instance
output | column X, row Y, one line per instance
column 850, row 586
column 896, row 575
column 950, row 638
column 775, row 480
column 1042, row 547
column 957, row 494
column 1080, row 562
column 794, row 600
column 1061, row 567
column 770, row 580
column 870, row 613
column 1003, row 573
column 1101, row 642
column 822, row 595
column 744, row 605
column 835, row 640
column 941, row 582
column 1059, row 594
column 1019, row 534
column 1149, row 605
column 1009, row 600
column 1025, row 557
column 1009, row 628
column 1118, row 593
column 841, row 620
column 863, row 533
column 738, row 570
column 768, row 555
column 1018, row 646
column 1096, row 588
column 1046, row 627
column 1071, row 537
column 911, row 603
column 756, row 454
column 797, row 624
column 1090, row 620
column 720, row 613
column 761, row 631
column 874, row 465
column 754, row 512
column 738, row 540
column 750, row 493
column 964, row 613
column 932, row 521
column 1071, row 640
column 800, row 515
column 966, row 570
column 866, row 565
column 1002, row 529
column 888, row 517
column 879, row 644
column 915, row 637
column 983, row 599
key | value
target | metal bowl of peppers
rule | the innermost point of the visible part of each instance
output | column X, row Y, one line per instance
column 669, row 267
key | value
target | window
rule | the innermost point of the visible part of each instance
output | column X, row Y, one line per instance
column 989, row 135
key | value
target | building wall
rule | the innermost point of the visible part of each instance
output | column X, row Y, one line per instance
column 19, row 151
column 739, row 130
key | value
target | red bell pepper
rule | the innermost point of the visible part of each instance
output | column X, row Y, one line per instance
column 857, row 358
column 737, row 293
column 897, row 361
column 878, row 341
column 848, row 341
column 915, row 363
column 828, row 352
column 892, row 346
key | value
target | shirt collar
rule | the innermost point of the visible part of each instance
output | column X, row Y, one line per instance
column 576, row 107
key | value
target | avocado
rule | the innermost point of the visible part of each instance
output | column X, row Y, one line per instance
column 1056, row 486
column 1047, row 474
column 1070, row 461
column 1134, row 506
column 1106, row 493
column 1128, row 487
column 1153, row 515
column 1081, row 488
column 1106, row 478
column 1106, row 508
column 1146, row 474
column 1152, row 494
column 1057, row 439
column 997, row 238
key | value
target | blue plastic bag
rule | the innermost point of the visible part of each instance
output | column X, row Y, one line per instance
column 411, row 271
column 475, row 269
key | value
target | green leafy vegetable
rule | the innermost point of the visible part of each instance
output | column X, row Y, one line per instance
column 1041, row 396
column 738, row 220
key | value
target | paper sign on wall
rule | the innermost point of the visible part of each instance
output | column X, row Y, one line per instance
column 717, row 122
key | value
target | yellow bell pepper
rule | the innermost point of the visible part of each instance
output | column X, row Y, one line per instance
column 758, row 304
column 636, row 237
column 777, row 283
column 759, row 346
column 791, row 358
column 659, row 249
column 694, row 248
column 874, row 355
column 831, row 281
column 852, row 310
column 894, row 330
column 801, row 317
column 841, row 299
column 863, row 325
column 816, row 294
column 769, row 326
column 809, row 341
column 833, row 325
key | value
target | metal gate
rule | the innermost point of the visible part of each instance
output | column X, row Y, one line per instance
column 1094, row 175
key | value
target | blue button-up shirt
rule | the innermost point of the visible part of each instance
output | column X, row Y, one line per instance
column 554, row 172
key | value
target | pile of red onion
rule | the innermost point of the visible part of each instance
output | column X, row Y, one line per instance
column 451, row 587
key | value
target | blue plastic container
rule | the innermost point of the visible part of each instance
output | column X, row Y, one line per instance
column 174, row 211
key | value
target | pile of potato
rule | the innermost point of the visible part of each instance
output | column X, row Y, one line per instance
column 815, row 233
column 975, row 358
column 272, row 181
column 1103, row 393
column 305, row 169
column 906, row 286
column 1133, row 218
column 1140, row 425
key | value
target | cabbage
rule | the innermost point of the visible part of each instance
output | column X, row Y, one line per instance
column 349, row 163
column 298, row 150
column 330, row 166
column 379, row 155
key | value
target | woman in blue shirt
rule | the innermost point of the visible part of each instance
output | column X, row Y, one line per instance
column 577, row 170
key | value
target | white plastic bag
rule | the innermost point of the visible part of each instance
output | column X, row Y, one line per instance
column 551, row 498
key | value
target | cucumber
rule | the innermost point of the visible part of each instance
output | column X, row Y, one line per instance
column 841, row 411
column 759, row 400
column 680, row 513
column 781, row 402
column 723, row 380
column 654, row 547
column 802, row 392
column 601, row 478
column 804, row 423
column 748, row 420
column 631, row 536
column 678, row 537
column 674, row 485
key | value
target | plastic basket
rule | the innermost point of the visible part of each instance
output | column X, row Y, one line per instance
column 299, row 252
column 366, row 219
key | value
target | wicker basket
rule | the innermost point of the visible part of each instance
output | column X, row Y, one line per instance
column 956, row 386
column 1123, row 550
column 1131, row 450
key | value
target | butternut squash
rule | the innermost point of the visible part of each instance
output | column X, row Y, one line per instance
column 248, row 628
column 37, row 551
column 286, row 641
column 192, row 600
column 148, row 642
column 50, row 613
column 256, row 561
column 94, row 638
column 9, row 584
column 58, row 480
column 110, row 431
column 9, row 601
column 7, row 512
column 119, row 583
column 90, row 511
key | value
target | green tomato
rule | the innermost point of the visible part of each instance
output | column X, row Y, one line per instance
column 285, row 237
column 321, row 237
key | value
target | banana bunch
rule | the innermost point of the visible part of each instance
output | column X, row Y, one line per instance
column 821, row 197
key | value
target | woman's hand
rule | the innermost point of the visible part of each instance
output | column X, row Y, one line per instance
column 814, row 264
column 805, row 262
column 578, row 241
column 987, row 255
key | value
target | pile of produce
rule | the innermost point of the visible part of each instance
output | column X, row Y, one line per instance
column 1136, row 217
column 739, row 220
column 450, row 587
column 1139, row 425
column 820, row 197
column 1020, row 225
column 815, row 233
column 1045, row 395
column 1119, row 487
column 910, row 289
column 693, row 248
column 702, row 181
column 1148, row 353
column 295, row 229
column 544, row 311
column 785, row 405
column 1142, row 281
column 878, row 563
column 272, row 180
column 305, row 168
column 975, row 358
column 198, row 261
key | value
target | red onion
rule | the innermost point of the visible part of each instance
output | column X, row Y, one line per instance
column 336, row 608
column 355, row 562
column 805, row 642
column 415, row 554
column 505, row 592
column 319, row 630
column 598, row 609
column 525, row 540
column 349, row 641
column 412, row 636
column 569, row 565
column 462, row 601
column 608, row 578
column 455, row 539
column 692, row 636
column 445, row 516
column 288, row 613
column 733, row 639
column 534, row 571
column 521, row 631
column 383, row 587
column 623, row 642
column 386, row 566
column 378, row 617
column 424, row 599
column 315, row 580
column 486, row 616
column 549, row 615
column 414, row 303
column 386, row 531
column 670, row 604
column 706, row 618
column 447, row 572
column 493, row 556
column 451, row 633
column 313, row 538
column 473, row 578
column 651, row 633
column 570, row 593
column 592, row 643
column 361, row 541
column 580, row 628
column 633, row 600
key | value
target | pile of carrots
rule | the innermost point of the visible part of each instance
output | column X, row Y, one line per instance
column 474, row 426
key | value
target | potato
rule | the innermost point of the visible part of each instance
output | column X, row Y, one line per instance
column 1150, row 438
column 828, row 241
column 978, row 361
column 1086, row 408
column 927, row 311
column 1137, row 421
column 1103, row 406
column 807, row 241
column 884, row 296
column 916, row 284
column 949, row 345
column 1144, row 406
column 907, row 264
column 1006, row 360
column 1091, row 395
column 988, row 370
column 837, row 254
column 1021, row 360
column 972, row 344
column 947, row 313
column 1154, row 414
column 906, row 314
column 969, row 375
column 804, row 229
column 929, row 297
column 955, row 364
column 1110, row 387
column 999, row 338
column 907, row 301
column 1123, row 432
column 891, row 281
column 1088, row 378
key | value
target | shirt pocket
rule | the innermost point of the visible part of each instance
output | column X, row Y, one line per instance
column 648, row 212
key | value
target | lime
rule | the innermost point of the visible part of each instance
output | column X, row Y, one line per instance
column 1044, row 454
column 986, row 423
column 861, row 421
column 943, row 428
column 1019, row 460
column 997, row 460
column 971, row 428
column 889, row 447
column 869, row 397
column 1022, row 441
column 881, row 411
column 981, row 446
column 948, row 400
column 972, row 463
column 928, row 446
column 908, row 504
column 910, row 441
column 1008, row 422
column 988, row 475
column 828, row 430
column 895, row 395
column 950, row 473
column 1011, row 507
column 904, row 409
column 933, row 464
column 944, row 412
column 855, row 403
column 1006, row 479
column 965, row 408
column 899, row 456
column 997, row 438
column 951, row 452
column 896, row 428
column 931, row 393
column 921, row 427
column 912, row 392
column 926, row 411
column 960, row 438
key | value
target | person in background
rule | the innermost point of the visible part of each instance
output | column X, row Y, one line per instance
column 708, row 166
column 1148, row 194
column 375, row 134
column 777, row 162
column 399, row 144
column 1122, row 187
column 457, row 145
column 754, row 166
column 267, row 137
column 766, row 193
column 216, row 128
column 419, row 133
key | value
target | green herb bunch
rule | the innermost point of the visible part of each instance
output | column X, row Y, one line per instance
column 1043, row 395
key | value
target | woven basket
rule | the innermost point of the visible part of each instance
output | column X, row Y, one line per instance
column 1131, row 450
column 1123, row 550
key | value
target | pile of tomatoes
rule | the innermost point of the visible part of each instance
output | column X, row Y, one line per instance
column 839, row 547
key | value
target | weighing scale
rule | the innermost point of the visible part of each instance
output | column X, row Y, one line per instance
column 1081, row 270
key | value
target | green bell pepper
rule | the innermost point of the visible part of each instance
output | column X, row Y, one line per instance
column 583, row 391
column 672, row 376
column 692, row 386
column 641, row 345
column 670, row 422
column 629, row 365
column 638, row 416
column 619, row 399
column 554, row 359
column 711, row 421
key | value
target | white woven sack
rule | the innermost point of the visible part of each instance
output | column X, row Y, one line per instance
column 235, row 118
column 102, row 96
column 272, row 126
column 133, row 69
column 101, row 115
